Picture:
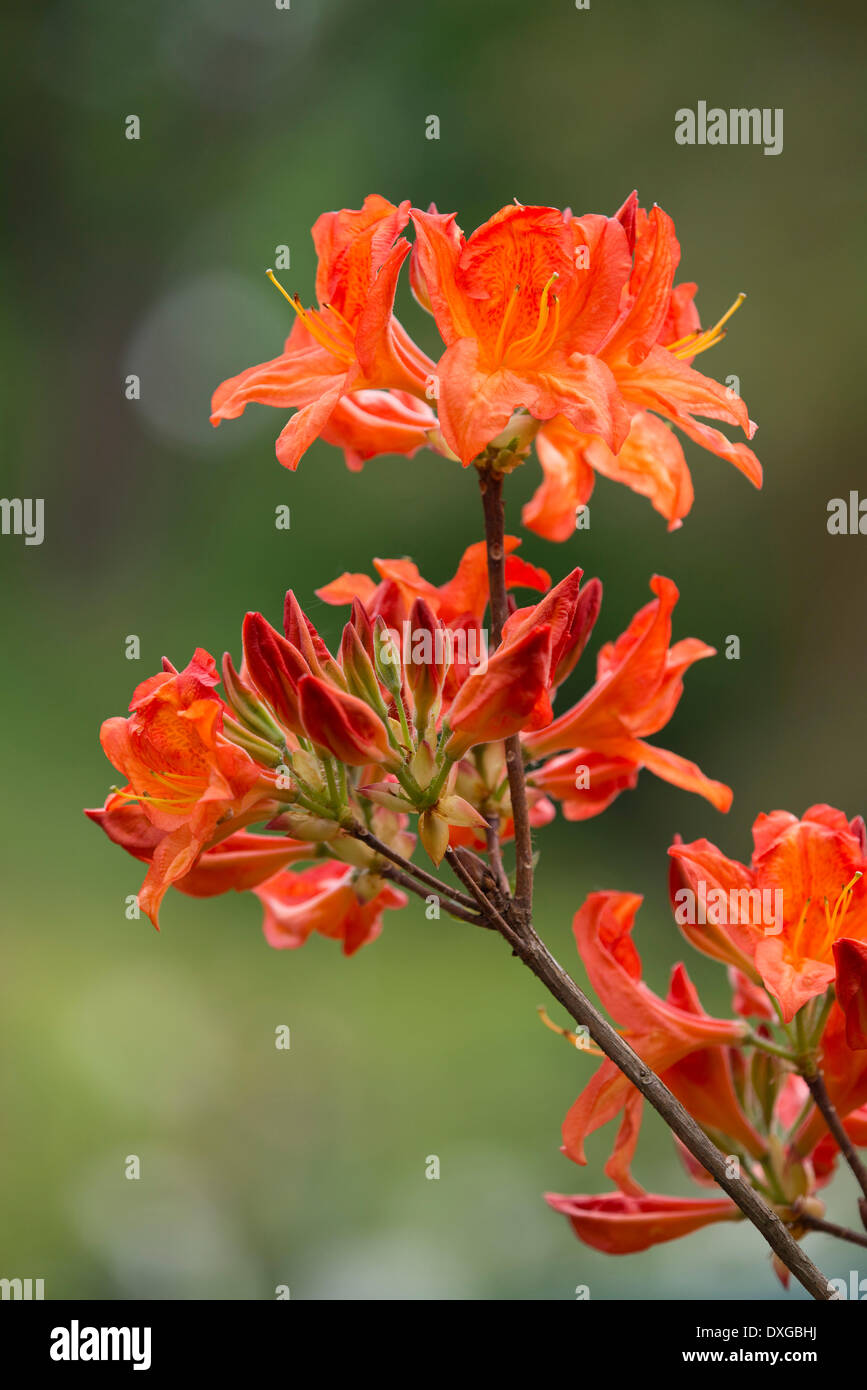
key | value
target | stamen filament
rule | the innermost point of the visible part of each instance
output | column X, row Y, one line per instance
column 564, row 1033
column 507, row 316
column 529, row 343
column 835, row 917
column 314, row 325
column 694, row 343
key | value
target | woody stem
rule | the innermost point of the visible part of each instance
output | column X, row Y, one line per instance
column 492, row 836
column 818, row 1223
column 535, row 955
column 819, row 1092
column 491, row 484
column 396, row 875
column 487, row 908
column 373, row 842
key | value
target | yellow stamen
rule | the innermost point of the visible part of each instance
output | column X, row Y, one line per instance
column 835, row 916
column 553, row 328
column 527, row 345
column 161, row 803
column 337, row 314
column 507, row 317
column 580, row 1043
column 694, row 343
column 314, row 325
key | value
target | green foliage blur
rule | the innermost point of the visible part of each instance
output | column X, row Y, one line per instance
column 307, row 1168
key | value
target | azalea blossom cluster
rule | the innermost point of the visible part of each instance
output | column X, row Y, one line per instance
column 400, row 728
column 317, row 777
column 799, row 1000
column 566, row 330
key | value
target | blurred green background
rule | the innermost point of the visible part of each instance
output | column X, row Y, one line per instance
column 307, row 1167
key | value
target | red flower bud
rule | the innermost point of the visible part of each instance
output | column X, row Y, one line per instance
column 509, row 695
column 424, row 663
column 303, row 636
column 584, row 617
column 246, row 705
column 275, row 667
column 850, row 958
column 342, row 724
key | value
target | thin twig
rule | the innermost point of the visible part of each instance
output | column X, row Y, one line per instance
column 819, row 1092
column 495, row 856
column 818, row 1223
column 487, row 907
column 396, row 875
column 368, row 838
column 491, row 484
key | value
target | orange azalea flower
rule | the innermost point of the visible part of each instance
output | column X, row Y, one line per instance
column 649, row 352
column 704, row 1081
column 803, row 892
column 467, row 592
column 332, row 899
column 192, row 784
column 238, row 863
column 639, row 683
column 523, row 306
column 618, row 1223
column 650, row 462
column 350, row 345
column 602, row 778
column 622, row 1223
column 663, row 1032
column 365, row 424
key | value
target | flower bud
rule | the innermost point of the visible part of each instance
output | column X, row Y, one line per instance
column 259, row 749
column 387, row 657
column 303, row 636
column 342, row 724
column 275, row 667
column 359, row 670
column 433, row 832
column 850, row 958
column 248, row 708
column 425, row 670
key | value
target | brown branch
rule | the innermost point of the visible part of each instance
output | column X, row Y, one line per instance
column 818, row 1223
column 819, row 1092
column 487, row 907
column 396, row 875
column 495, row 857
column 491, row 484
column 368, row 838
